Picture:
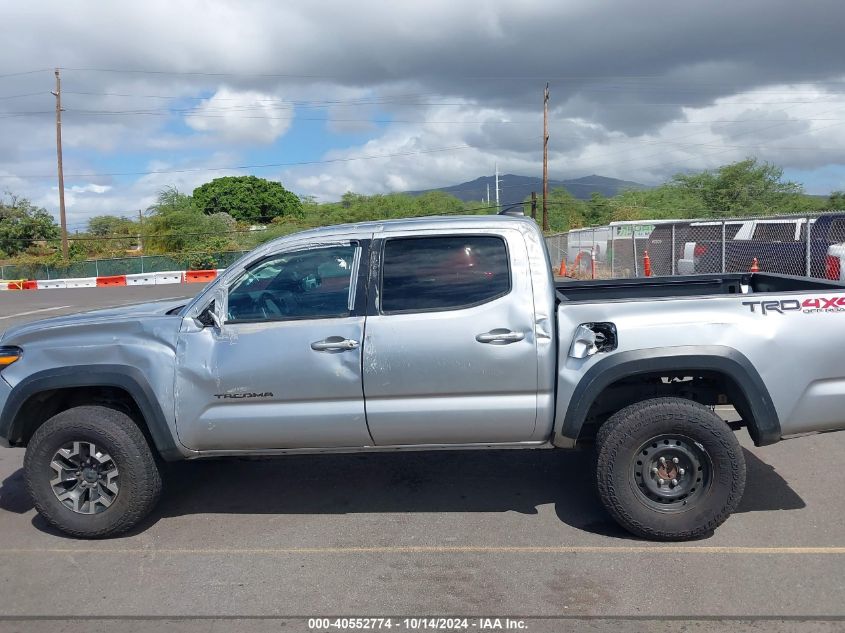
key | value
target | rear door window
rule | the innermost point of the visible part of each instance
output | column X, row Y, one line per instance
column 443, row 273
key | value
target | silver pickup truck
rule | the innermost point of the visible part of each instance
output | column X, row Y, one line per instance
column 426, row 334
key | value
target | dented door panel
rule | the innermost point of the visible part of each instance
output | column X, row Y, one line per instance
column 262, row 386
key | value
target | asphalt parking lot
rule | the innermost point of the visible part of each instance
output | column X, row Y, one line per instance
column 515, row 533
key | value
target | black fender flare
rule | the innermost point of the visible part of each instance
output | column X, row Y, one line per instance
column 125, row 377
column 764, row 425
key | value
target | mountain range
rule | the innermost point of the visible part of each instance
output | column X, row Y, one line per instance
column 514, row 189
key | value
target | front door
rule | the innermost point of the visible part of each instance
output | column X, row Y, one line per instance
column 284, row 369
column 450, row 354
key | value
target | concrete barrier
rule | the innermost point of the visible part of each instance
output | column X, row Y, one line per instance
column 169, row 277
column 141, row 279
column 111, row 280
column 13, row 284
column 136, row 279
column 47, row 284
column 200, row 276
column 81, row 282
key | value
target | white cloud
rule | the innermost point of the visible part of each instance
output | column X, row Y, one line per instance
column 638, row 92
column 242, row 116
column 89, row 188
column 789, row 125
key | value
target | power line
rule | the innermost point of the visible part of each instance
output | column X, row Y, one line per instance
column 662, row 77
column 212, row 113
column 28, row 94
column 260, row 166
column 26, row 72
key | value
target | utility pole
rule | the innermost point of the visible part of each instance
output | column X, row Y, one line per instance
column 546, row 158
column 140, row 230
column 533, row 205
column 58, row 94
column 488, row 194
column 497, row 187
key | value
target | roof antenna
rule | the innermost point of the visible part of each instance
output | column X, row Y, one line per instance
column 515, row 210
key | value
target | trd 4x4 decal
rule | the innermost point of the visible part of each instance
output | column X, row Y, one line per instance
column 807, row 306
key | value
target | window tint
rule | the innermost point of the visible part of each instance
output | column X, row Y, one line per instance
column 837, row 232
column 779, row 232
column 301, row 285
column 443, row 273
column 713, row 232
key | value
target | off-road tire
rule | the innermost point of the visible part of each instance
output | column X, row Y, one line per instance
column 619, row 443
column 120, row 436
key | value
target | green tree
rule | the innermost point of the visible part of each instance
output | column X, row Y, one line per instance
column 176, row 225
column 247, row 199
column 565, row 210
column 664, row 202
column 22, row 225
column 745, row 187
column 599, row 210
column 114, row 236
column 111, row 225
column 836, row 200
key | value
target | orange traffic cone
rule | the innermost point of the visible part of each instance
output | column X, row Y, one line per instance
column 562, row 271
column 755, row 266
column 646, row 264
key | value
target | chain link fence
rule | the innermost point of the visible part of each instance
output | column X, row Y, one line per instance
column 120, row 266
column 793, row 245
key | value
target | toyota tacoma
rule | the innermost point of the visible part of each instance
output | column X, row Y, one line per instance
column 426, row 334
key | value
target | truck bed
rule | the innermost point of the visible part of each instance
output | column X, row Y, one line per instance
column 694, row 285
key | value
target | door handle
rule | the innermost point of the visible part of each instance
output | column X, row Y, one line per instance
column 500, row 336
column 334, row 344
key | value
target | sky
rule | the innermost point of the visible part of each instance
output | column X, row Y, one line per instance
column 374, row 96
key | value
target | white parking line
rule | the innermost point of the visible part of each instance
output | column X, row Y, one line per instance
column 20, row 314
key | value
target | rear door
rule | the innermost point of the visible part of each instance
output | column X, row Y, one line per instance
column 449, row 353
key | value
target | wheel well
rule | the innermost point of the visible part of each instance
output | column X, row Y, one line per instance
column 42, row 406
column 708, row 387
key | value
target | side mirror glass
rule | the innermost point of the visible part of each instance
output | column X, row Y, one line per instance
column 209, row 317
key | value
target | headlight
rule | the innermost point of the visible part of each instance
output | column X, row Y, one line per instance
column 8, row 355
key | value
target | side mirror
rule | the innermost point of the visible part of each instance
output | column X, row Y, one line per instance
column 209, row 316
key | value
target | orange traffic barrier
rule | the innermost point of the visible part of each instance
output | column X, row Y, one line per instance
column 200, row 276
column 562, row 271
column 111, row 280
column 16, row 284
column 755, row 266
column 30, row 284
column 646, row 264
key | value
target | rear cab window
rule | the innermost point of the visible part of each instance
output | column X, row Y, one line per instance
column 775, row 232
column 437, row 273
column 837, row 231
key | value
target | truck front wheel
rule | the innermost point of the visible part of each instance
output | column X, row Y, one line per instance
column 669, row 469
column 91, row 473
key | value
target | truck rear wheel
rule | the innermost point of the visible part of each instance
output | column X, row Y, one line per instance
column 669, row 469
column 91, row 473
